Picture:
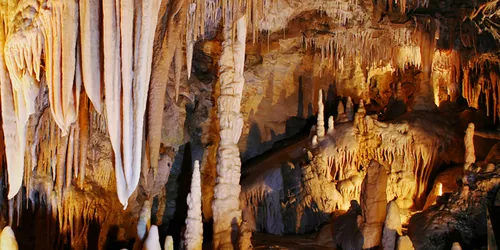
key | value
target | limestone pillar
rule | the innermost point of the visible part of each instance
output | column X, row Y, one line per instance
column 226, row 204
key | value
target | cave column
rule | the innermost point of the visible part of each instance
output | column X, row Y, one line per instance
column 226, row 205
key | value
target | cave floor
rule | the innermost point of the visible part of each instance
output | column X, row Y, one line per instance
column 295, row 242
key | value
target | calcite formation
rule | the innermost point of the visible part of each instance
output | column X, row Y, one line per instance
column 128, row 33
column 226, row 205
column 392, row 226
column 152, row 242
column 194, row 224
column 320, row 126
column 470, row 154
column 373, row 204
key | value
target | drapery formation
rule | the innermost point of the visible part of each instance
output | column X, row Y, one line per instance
column 64, row 37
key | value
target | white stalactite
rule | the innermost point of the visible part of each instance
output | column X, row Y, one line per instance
column 57, row 21
column 194, row 225
column 190, row 39
column 127, row 67
column 90, row 38
column 19, row 76
column 226, row 205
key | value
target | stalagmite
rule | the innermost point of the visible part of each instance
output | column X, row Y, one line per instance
column 169, row 243
column 456, row 246
column 439, row 189
column 90, row 38
column 470, row 154
column 392, row 226
column 341, row 115
column 126, row 84
column 226, row 208
column 373, row 203
column 8, row 239
column 320, row 127
column 359, row 119
column 331, row 125
column 314, row 140
column 194, row 224
column 152, row 242
column 349, row 109
column 144, row 221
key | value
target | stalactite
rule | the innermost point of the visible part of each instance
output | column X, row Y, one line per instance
column 83, row 139
column 90, row 38
column 178, row 70
column 69, row 157
column 194, row 225
column 60, row 19
column 122, row 84
column 227, row 214
column 13, row 111
column 427, row 34
column 161, row 67
column 190, row 36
